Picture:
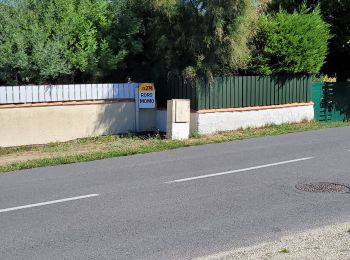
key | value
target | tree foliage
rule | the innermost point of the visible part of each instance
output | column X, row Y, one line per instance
column 105, row 40
column 197, row 37
column 291, row 43
column 336, row 13
column 67, row 40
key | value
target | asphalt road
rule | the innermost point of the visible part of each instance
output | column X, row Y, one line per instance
column 155, row 206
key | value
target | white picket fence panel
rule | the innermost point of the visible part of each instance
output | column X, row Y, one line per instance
column 60, row 93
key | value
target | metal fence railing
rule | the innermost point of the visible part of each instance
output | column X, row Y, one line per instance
column 236, row 91
column 58, row 93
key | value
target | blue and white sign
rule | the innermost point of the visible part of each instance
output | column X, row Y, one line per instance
column 147, row 96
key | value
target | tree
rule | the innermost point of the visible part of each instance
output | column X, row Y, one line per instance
column 63, row 40
column 291, row 43
column 26, row 45
column 337, row 14
column 196, row 37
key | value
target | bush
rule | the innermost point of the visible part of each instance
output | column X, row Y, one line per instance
column 63, row 40
column 294, row 43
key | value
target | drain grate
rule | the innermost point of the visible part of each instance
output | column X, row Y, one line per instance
column 324, row 187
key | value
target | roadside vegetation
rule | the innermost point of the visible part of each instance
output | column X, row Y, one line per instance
column 96, row 148
column 96, row 41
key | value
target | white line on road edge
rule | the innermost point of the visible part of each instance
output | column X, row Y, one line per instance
column 48, row 203
column 240, row 170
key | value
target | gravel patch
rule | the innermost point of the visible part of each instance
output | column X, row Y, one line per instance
column 324, row 187
column 328, row 243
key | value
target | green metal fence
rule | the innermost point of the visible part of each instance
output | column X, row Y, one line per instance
column 236, row 91
column 331, row 101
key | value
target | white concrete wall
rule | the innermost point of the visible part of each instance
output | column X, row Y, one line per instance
column 148, row 119
column 226, row 121
column 211, row 122
column 161, row 120
column 194, row 124
column 58, row 123
column 45, row 124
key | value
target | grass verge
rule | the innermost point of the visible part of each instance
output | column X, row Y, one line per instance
column 96, row 148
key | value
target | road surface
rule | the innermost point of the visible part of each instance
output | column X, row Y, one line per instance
column 177, row 204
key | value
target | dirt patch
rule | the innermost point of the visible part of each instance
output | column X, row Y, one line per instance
column 46, row 152
column 78, row 147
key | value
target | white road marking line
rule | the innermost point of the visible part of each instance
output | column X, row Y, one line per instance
column 240, row 170
column 47, row 203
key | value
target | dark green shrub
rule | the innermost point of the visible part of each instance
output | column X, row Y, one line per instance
column 291, row 43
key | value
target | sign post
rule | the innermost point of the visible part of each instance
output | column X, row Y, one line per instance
column 145, row 98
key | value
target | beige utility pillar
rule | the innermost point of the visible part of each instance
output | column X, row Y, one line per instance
column 178, row 119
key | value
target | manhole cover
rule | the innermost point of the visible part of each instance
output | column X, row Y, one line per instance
column 324, row 187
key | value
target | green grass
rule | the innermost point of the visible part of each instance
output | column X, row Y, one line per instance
column 96, row 148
